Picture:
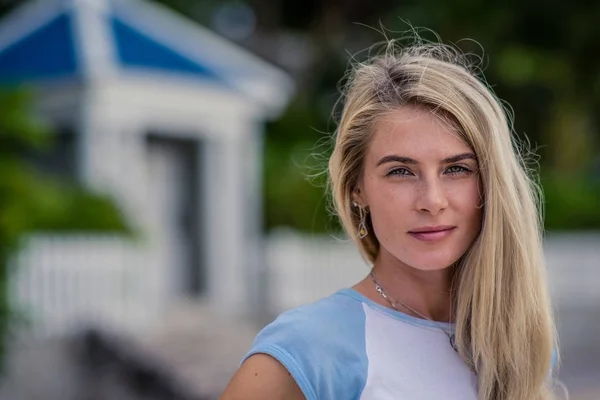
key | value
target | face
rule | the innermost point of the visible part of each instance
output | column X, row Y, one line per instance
column 421, row 185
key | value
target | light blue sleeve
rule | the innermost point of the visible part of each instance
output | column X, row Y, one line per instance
column 322, row 345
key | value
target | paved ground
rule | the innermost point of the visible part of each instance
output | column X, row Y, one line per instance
column 203, row 349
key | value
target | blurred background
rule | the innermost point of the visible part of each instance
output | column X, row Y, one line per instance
column 161, row 194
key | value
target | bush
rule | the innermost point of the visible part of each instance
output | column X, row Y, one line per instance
column 572, row 202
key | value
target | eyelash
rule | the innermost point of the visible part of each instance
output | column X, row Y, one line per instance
column 463, row 171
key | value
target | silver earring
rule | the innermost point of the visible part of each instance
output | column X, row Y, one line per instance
column 362, row 226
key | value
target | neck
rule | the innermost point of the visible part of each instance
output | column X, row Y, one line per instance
column 427, row 292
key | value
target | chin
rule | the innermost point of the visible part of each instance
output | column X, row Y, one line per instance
column 430, row 267
column 431, row 263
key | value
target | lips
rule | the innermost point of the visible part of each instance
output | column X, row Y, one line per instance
column 436, row 228
column 432, row 233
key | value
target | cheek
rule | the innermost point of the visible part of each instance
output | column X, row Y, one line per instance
column 468, row 203
column 390, row 206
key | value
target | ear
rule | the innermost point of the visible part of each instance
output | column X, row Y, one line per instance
column 358, row 197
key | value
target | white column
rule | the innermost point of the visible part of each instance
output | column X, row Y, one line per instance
column 256, row 269
column 97, row 135
column 226, row 223
column 112, row 156
column 94, row 42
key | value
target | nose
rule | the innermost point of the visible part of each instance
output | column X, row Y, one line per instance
column 431, row 197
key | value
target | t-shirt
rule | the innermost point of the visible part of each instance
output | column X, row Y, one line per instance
column 346, row 346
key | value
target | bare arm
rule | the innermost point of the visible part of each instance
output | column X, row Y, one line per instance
column 261, row 377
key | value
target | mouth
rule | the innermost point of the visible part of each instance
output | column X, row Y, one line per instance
column 432, row 233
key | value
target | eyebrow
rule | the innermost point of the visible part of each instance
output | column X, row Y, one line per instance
column 408, row 160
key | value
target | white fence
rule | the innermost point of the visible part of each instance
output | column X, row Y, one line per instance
column 60, row 282
column 306, row 268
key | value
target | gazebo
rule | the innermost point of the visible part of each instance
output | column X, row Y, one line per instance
column 166, row 117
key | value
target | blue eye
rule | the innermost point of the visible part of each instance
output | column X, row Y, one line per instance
column 400, row 172
column 457, row 169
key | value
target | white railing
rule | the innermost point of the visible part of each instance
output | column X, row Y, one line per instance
column 305, row 268
column 60, row 282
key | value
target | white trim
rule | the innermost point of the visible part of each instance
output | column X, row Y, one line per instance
column 26, row 19
column 174, row 103
column 99, row 5
column 94, row 45
column 183, row 80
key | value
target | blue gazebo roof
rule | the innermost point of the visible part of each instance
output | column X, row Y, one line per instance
column 83, row 39
column 47, row 52
column 134, row 49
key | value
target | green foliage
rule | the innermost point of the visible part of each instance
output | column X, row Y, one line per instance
column 31, row 201
column 294, row 171
column 572, row 202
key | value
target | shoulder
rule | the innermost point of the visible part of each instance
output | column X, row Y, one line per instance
column 330, row 315
column 320, row 343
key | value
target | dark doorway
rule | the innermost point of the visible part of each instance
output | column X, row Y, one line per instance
column 175, row 191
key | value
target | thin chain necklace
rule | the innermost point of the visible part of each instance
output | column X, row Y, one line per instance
column 393, row 303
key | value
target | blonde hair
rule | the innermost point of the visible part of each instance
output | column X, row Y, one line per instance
column 504, row 324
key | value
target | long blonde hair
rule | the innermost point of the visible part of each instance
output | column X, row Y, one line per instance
column 504, row 323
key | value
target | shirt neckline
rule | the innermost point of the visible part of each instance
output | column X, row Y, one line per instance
column 398, row 315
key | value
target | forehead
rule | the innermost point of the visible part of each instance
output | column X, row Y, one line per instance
column 417, row 133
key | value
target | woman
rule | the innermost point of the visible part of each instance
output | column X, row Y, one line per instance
column 427, row 178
